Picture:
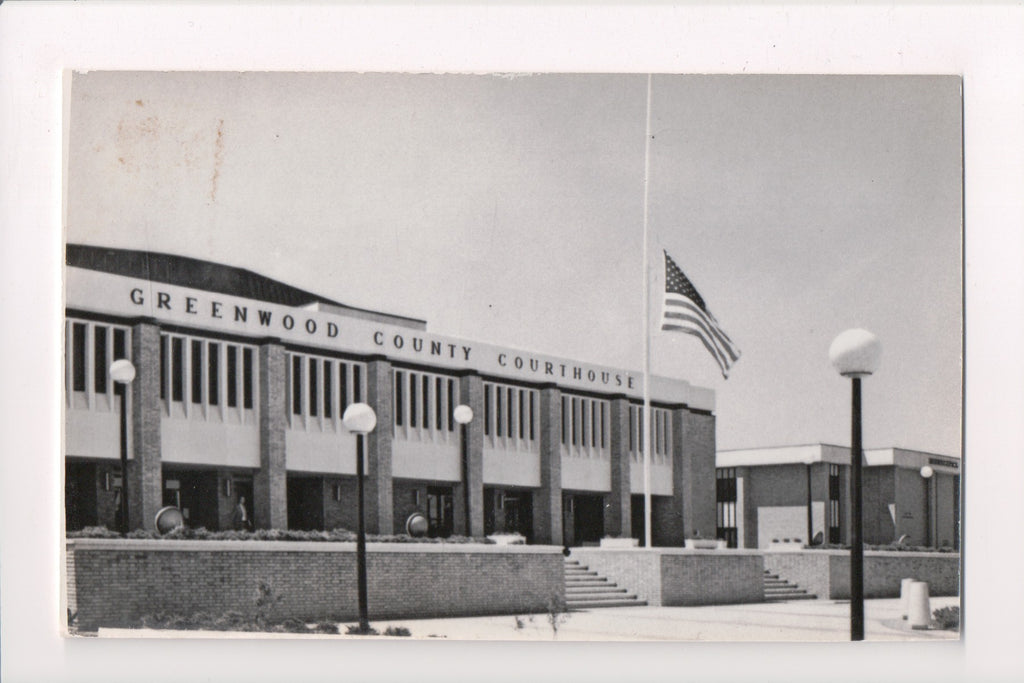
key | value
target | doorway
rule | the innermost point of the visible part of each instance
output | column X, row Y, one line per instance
column 439, row 511
column 79, row 495
column 583, row 519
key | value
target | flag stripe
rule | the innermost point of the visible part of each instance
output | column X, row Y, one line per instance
column 704, row 340
column 712, row 325
column 684, row 310
column 726, row 350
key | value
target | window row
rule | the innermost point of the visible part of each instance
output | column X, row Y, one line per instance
column 585, row 422
column 91, row 348
column 424, row 400
column 323, row 387
column 510, row 412
column 661, row 423
column 205, row 372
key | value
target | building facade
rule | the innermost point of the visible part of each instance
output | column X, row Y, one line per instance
column 802, row 494
column 241, row 382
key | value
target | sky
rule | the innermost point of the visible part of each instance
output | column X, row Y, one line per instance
column 509, row 209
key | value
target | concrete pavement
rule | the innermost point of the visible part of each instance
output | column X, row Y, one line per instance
column 797, row 621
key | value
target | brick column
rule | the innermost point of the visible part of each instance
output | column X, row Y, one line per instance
column 144, row 480
column 547, row 501
column 377, row 487
column 471, row 393
column 693, row 472
column 617, row 513
column 270, row 485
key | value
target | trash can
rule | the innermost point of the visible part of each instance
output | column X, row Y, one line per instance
column 920, row 613
column 905, row 597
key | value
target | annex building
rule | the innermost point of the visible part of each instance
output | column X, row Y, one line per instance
column 241, row 382
column 801, row 494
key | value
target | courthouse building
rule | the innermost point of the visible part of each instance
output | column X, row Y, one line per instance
column 802, row 493
column 241, row 382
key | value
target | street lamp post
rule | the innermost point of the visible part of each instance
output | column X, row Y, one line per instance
column 463, row 414
column 855, row 354
column 360, row 419
column 926, row 474
column 123, row 372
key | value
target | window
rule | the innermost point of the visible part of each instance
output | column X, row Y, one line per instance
column 210, row 373
column 834, row 532
column 422, row 401
column 91, row 347
column 661, row 433
column 725, row 498
column 585, row 425
column 512, row 417
column 322, row 388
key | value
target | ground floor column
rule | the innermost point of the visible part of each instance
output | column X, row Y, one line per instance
column 547, row 504
column 144, row 477
column 379, row 495
column 270, row 484
column 617, row 509
column 471, row 393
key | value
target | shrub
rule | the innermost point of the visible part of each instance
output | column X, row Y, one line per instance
column 332, row 536
column 397, row 631
column 357, row 630
column 948, row 618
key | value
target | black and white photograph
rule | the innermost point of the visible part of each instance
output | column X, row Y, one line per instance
column 477, row 285
column 386, row 355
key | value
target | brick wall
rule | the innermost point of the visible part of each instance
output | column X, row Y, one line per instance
column 826, row 573
column 681, row 577
column 118, row 581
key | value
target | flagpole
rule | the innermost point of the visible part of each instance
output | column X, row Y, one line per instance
column 646, row 421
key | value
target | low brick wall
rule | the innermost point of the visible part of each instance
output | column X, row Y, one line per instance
column 118, row 581
column 826, row 573
column 676, row 577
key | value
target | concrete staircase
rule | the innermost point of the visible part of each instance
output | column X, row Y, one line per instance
column 777, row 589
column 586, row 589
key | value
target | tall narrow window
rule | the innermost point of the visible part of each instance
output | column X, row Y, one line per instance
column 196, row 359
column 296, row 385
column 163, row 367
column 438, row 402
column 342, row 387
column 120, row 345
column 425, row 382
column 451, row 407
column 594, row 423
column 78, row 356
column 533, row 433
column 522, row 415
column 412, row 399
column 604, row 419
column 487, row 409
column 314, row 385
column 509, row 402
column 232, row 386
column 99, row 348
column 328, row 389
column 247, row 371
column 399, row 398
column 357, row 384
column 177, row 369
column 566, row 417
column 497, row 428
column 214, row 378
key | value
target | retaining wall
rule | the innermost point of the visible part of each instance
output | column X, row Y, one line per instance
column 677, row 577
column 826, row 573
column 118, row 581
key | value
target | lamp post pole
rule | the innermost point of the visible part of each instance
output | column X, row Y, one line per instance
column 855, row 354
column 122, row 372
column 360, row 419
column 463, row 414
column 926, row 474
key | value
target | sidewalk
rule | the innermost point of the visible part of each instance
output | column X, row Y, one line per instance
column 797, row 621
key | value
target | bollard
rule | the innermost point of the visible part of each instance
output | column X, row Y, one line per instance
column 905, row 597
column 920, row 613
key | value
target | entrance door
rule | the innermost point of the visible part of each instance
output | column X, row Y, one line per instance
column 439, row 511
column 305, row 503
column 583, row 519
column 194, row 492
column 79, row 495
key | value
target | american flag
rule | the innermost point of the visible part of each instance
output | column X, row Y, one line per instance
column 684, row 311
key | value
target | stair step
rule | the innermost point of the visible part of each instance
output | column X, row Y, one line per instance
column 784, row 598
column 592, row 605
column 586, row 590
